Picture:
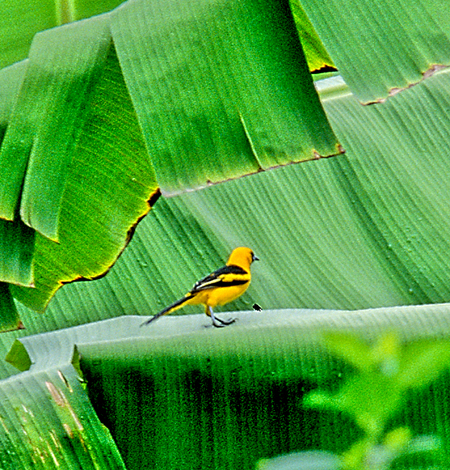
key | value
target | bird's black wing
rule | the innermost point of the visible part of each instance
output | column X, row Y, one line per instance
column 226, row 276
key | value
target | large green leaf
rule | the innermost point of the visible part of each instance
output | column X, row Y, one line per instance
column 221, row 89
column 364, row 230
column 81, row 180
column 176, row 393
column 66, row 107
column 51, row 113
column 20, row 21
column 367, row 229
column 109, row 187
column 399, row 187
column 228, row 398
column 230, row 120
column 16, row 252
column 10, row 81
column 382, row 47
column 48, row 422
column 72, row 183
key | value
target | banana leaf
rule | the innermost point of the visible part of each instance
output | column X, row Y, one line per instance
column 58, row 132
column 48, row 422
column 384, row 47
column 16, row 239
column 316, row 55
column 179, row 395
column 16, row 252
column 41, row 139
column 221, row 90
column 20, row 21
column 8, row 311
column 108, row 189
column 10, row 81
column 365, row 230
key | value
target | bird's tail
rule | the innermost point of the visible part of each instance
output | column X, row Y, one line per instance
column 175, row 306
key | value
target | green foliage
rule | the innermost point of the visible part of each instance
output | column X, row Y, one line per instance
column 95, row 116
column 8, row 310
column 108, row 188
column 384, row 374
column 315, row 53
column 48, row 422
column 381, row 48
column 236, row 98
column 367, row 229
column 231, row 397
column 206, row 91
column 20, row 21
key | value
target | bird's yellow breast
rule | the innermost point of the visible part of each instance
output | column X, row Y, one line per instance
column 226, row 294
column 218, row 296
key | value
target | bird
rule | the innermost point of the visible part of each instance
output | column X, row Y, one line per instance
column 218, row 288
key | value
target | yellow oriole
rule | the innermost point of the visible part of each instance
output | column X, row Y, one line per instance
column 218, row 288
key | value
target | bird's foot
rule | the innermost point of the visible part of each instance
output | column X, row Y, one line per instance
column 226, row 322
column 219, row 323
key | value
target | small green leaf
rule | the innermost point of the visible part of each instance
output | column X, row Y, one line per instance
column 385, row 353
column 397, row 439
column 18, row 356
column 422, row 362
column 371, row 399
column 319, row 399
column 315, row 52
column 351, row 348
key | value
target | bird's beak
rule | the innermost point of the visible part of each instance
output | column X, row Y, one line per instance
column 254, row 257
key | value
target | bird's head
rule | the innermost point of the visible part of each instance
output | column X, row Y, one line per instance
column 243, row 257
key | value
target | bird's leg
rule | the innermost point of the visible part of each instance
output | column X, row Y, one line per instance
column 216, row 321
column 209, row 312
